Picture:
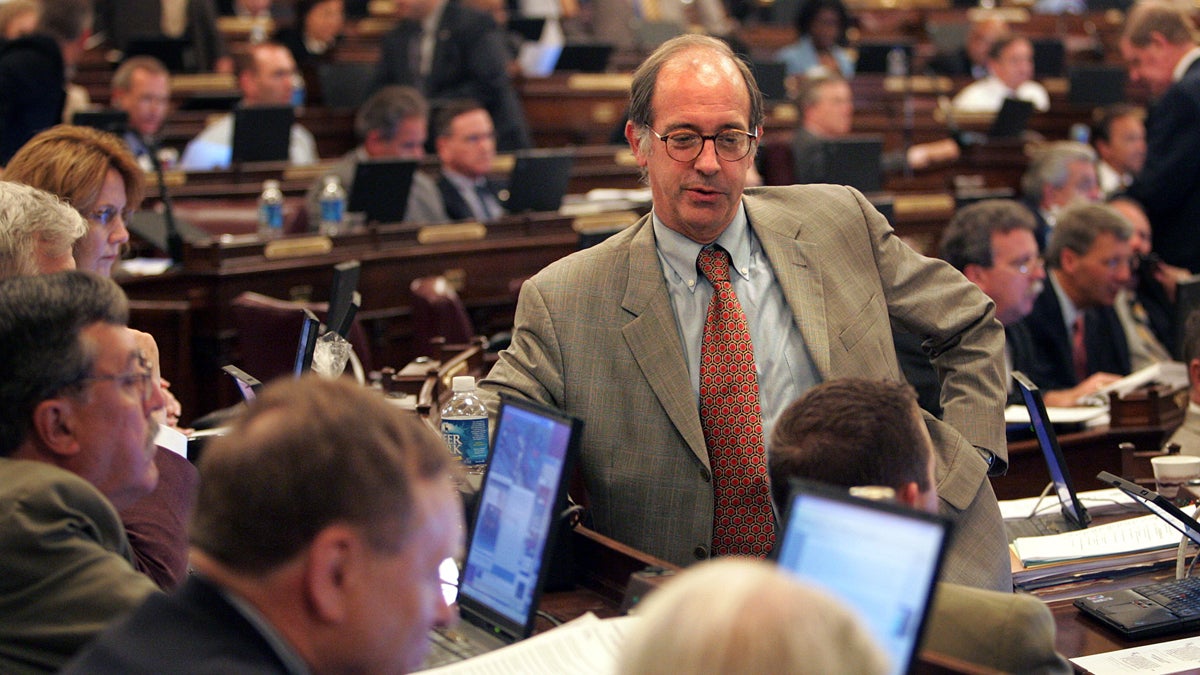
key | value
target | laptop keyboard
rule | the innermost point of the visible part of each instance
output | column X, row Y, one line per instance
column 1180, row 596
column 450, row 646
column 1036, row 526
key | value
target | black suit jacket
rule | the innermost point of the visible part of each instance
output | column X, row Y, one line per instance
column 31, row 90
column 457, row 208
column 1049, row 364
column 1169, row 184
column 194, row 630
column 470, row 60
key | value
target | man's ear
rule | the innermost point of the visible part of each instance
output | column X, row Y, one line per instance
column 909, row 495
column 335, row 556
column 631, row 135
column 973, row 272
column 54, row 426
column 1194, row 373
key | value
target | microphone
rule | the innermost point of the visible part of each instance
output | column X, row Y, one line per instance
column 173, row 238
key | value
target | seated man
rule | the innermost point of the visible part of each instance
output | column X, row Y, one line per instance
column 77, row 445
column 827, row 111
column 466, row 146
column 1188, row 435
column 853, row 432
column 266, row 76
column 37, row 230
column 747, row 616
column 1010, row 75
column 1119, row 135
column 1074, row 331
column 1146, row 306
column 332, row 570
column 141, row 86
column 392, row 124
column 971, row 58
column 1059, row 174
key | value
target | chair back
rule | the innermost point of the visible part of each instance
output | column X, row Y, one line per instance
column 268, row 330
column 437, row 311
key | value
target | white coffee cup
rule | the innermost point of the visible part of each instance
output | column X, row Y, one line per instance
column 1172, row 471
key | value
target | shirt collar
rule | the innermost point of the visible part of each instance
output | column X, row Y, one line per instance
column 429, row 23
column 1181, row 68
column 680, row 252
column 1069, row 310
column 463, row 182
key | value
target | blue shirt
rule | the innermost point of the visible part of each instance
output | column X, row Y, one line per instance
column 785, row 368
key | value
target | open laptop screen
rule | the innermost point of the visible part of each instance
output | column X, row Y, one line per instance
column 1156, row 504
column 880, row 558
column 1072, row 508
column 522, row 494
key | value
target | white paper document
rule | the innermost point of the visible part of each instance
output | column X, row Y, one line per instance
column 1126, row 536
column 1019, row 414
column 1171, row 373
column 1163, row 658
column 586, row 646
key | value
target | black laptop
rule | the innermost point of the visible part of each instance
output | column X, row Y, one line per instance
column 771, row 77
column 514, row 530
column 857, row 162
column 584, row 57
column 247, row 384
column 1155, row 609
column 1012, row 119
column 343, row 294
column 1072, row 515
column 381, row 188
column 838, row 542
column 539, row 180
column 1096, row 85
column 262, row 133
column 110, row 119
column 873, row 56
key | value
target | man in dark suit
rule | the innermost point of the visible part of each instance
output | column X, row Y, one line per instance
column 1089, row 259
column 466, row 147
column 322, row 521
column 1059, row 174
column 616, row 334
column 971, row 59
column 450, row 51
column 1159, row 46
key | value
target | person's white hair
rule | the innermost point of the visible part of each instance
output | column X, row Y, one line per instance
column 737, row 615
column 32, row 219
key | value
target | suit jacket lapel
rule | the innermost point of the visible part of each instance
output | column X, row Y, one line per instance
column 796, row 264
column 653, row 339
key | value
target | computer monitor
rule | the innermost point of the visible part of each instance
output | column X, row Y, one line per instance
column 262, row 133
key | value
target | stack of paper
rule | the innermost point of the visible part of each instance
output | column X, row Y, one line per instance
column 1102, row 549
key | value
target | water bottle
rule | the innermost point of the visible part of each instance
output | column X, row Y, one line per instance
column 465, row 423
column 333, row 206
column 270, row 210
column 298, row 90
column 897, row 62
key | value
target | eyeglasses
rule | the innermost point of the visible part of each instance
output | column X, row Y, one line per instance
column 139, row 380
column 105, row 215
column 685, row 146
column 1029, row 266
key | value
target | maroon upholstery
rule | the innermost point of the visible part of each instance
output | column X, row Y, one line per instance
column 437, row 311
column 269, row 331
column 775, row 162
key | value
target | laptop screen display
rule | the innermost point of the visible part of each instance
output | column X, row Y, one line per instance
column 882, row 560
column 1072, row 508
column 518, row 506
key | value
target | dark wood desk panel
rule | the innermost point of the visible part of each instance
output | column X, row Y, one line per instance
column 1087, row 453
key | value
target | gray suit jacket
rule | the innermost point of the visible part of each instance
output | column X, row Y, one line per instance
column 596, row 336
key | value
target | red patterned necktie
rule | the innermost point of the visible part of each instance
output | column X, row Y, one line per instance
column 743, row 523
column 1079, row 349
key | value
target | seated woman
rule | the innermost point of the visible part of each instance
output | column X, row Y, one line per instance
column 1010, row 75
column 821, row 46
column 317, row 31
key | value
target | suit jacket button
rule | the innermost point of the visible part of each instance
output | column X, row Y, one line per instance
column 701, row 552
column 705, row 475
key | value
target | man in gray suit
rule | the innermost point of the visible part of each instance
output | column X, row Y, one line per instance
column 616, row 334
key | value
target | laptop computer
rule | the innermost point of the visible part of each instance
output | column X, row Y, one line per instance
column 771, row 77
column 380, row 189
column 529, row 28
column 873, row 56
column 1155, row 609
column 262, row 133
column 539, row 180
column 342, row 295
column 1072, row 515
column 1012, row 119
column 514, row 530
column 856, row 162
column 345, row 84
column 307, row 344
column 1049, row 57
column 839, row 543
column 1095, row 85
column 109, row 119
column 584, row 57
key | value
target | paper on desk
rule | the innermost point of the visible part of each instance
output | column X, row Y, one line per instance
column 1171, row 373
column 585, row 646
column 1145, row 533
column 1019, row 414
column 1108, row 500
column 1156, row 659
column 146, row 266
column 171, row 439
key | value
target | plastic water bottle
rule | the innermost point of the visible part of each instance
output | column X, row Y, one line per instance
column 270, row 210
column 465, row 422
column 897, row 62
column 333, row 205
column 299, row 91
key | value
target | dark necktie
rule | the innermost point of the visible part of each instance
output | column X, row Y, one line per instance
column 485, row 207
column 1079, row 349
column 743, row 523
